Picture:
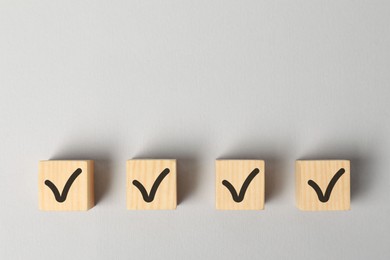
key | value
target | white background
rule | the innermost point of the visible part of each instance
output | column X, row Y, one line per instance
column 196, row 81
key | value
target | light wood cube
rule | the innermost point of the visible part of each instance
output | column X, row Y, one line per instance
column 240, row 184
column 322, row 185
column 66, row 185
column 151, row 184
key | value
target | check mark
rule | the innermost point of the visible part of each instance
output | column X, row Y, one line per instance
column 240, row 197
column 325, row 197
column 62, row 197
column 149, row 198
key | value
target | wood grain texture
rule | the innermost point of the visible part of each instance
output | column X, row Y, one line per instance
column 321, row 172
column 81, row 192
column 236, row 172
column 146, row 172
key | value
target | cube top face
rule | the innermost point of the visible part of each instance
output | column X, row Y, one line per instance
column 322, row 185
column 66, row 185
column 151, row 184
column 239, row 184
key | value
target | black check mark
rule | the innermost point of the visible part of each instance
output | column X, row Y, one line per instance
column 325, row 197
column 149, row 198
column 62, row 197
column 240, row 197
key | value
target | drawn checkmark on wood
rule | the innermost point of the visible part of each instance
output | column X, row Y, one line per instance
column 240, row 197
column 325, row 197
column 62, row 197
column 149, row 198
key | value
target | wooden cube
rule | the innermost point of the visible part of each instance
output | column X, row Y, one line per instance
column 322, row 185
column 240, row 184
column 151, row 184
column 66, row 185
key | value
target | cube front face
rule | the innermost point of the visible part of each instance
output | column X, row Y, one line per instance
column 66, row 185
column 322, row 185
column 240, row 184
column 151, row 184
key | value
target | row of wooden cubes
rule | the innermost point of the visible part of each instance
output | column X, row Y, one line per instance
column 151, row 184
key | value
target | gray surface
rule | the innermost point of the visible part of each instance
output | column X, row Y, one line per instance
column 196, row 81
